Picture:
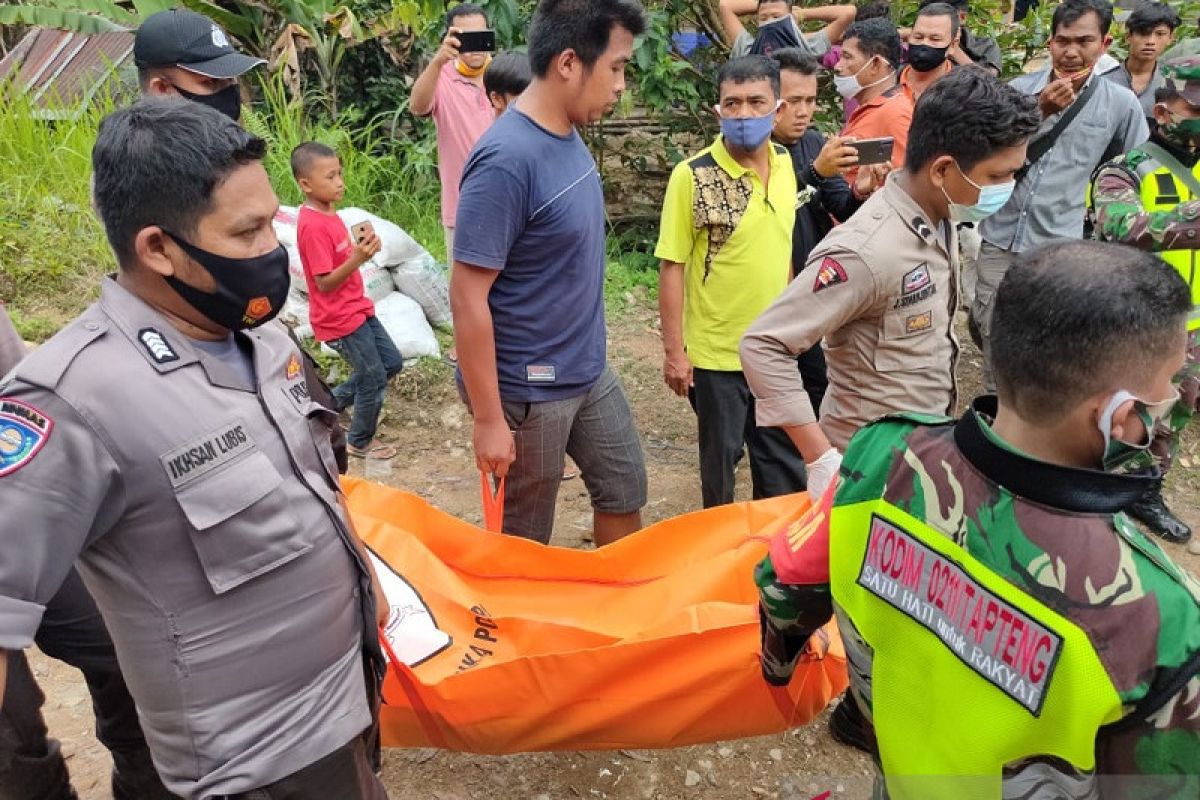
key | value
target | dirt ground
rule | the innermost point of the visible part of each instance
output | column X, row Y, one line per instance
column 426, row 420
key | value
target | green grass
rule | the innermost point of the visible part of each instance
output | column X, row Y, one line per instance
column 52, row 248
column 632, row 268
column 390, row 179
column 53, row 253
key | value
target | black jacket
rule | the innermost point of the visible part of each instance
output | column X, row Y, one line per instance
column 833, row 197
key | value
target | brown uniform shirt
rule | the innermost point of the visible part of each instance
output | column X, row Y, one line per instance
column 881, row 290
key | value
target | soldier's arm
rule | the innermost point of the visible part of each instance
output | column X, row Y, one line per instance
column 834, row 289
column 60, row 489
column 1122, row 218
column 1164, row 745
column 793, row 591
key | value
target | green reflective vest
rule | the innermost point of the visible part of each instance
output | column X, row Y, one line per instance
column 1162, row 191
column 968, row 672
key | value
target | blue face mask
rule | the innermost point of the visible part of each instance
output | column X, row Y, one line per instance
column 991, row 199
column 748, row 133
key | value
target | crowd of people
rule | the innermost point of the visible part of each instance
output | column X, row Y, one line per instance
column 170, row 461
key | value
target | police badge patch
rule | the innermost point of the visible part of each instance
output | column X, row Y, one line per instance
column 293, row 367
column 23, row 432
column 830, row 273
column 916, row 280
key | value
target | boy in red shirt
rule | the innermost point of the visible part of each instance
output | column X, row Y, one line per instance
column 341, row 314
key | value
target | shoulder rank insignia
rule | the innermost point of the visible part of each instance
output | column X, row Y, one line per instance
column 157, row 346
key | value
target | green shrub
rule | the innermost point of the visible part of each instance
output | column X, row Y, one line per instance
column 394, row 180
column 53, row 253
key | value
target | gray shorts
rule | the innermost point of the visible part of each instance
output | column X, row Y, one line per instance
column 596, row 429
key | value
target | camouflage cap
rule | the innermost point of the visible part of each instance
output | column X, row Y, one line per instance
column 1183, row 75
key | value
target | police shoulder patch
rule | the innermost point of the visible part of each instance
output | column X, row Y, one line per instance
column 23, row 431
column 830, row 273
column 157, row 346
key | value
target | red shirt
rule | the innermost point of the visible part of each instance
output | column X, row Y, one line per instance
column 324, row 244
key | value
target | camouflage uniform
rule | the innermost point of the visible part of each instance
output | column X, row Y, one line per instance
column 1141, row 612
column 1123, row 217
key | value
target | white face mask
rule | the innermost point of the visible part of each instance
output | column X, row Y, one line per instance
column 1118, row 453
column 848, row 85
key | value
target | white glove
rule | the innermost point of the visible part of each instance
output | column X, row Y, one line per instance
column 822, row 472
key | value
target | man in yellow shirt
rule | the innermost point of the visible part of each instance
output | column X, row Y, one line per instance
column 725, row 244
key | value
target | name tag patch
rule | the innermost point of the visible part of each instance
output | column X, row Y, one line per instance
column 999, row 642
column 203, row 455
column 540, row 373
column 297, row 392
column 23, row 432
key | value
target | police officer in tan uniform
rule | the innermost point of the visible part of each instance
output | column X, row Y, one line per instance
column 882, row 288
column 167, row 439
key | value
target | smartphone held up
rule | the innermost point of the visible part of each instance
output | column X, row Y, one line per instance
column 483, row 41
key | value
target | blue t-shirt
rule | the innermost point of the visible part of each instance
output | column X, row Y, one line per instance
column 531, row 206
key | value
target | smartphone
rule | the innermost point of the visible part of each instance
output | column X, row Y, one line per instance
column 361, row 231
column 476, row 41
column 874, row 151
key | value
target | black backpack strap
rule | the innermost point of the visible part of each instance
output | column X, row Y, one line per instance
column 1040, row 146
column 1181, row 173
column 1167, row 685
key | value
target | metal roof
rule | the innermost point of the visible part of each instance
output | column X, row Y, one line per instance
column 61, row 71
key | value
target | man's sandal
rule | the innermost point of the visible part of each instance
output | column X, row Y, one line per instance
column 375, row 450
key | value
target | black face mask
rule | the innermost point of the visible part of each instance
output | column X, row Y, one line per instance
column 923, row 58
column 250, row 291
column 228, row 101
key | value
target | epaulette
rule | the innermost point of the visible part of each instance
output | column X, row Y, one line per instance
column 46, row 365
